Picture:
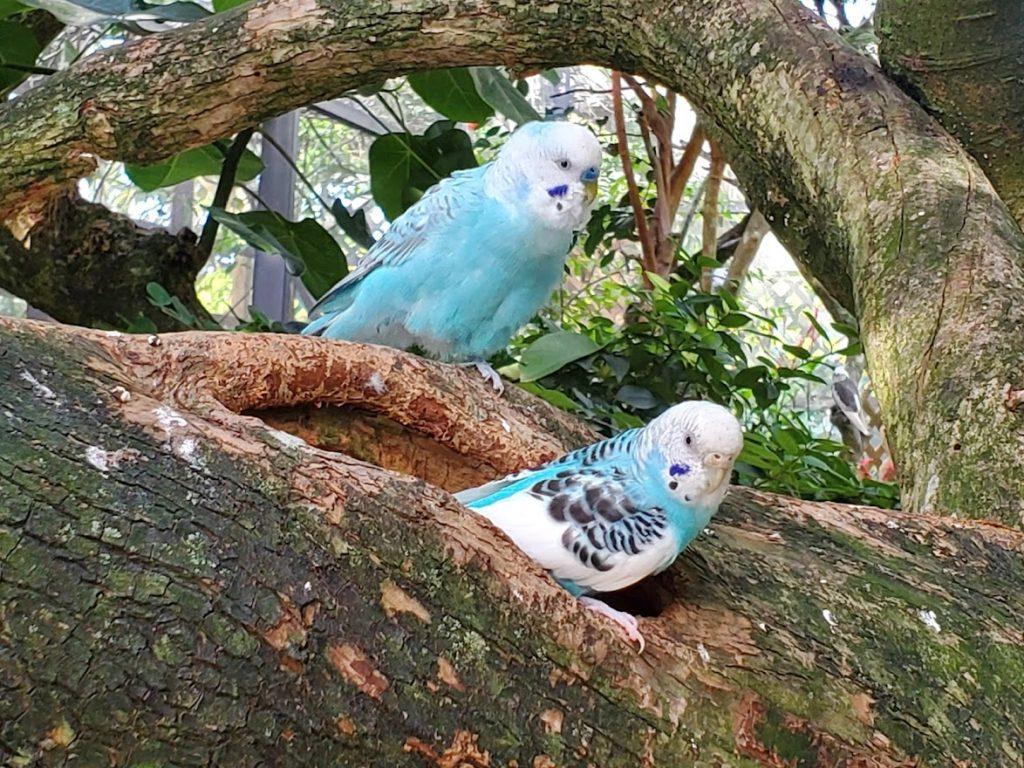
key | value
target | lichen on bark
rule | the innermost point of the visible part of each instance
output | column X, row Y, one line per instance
column 181, row 584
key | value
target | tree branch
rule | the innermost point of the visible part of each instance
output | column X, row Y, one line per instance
column 963, row 64
column 181, row 579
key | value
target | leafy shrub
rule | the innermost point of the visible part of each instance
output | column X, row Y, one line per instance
column 678, row 344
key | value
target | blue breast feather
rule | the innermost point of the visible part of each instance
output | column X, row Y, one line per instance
column 456, row 275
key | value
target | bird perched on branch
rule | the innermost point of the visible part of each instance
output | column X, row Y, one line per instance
column 476, row 257
column 605, row 516
column 846, row 414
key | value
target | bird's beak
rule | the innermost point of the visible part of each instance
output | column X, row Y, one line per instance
column 716, row 467
column 590, row 191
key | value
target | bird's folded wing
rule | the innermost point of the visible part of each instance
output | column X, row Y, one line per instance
column 614, row 449
column 430, row 215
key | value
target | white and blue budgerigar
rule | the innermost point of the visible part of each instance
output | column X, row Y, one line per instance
column 476, row 257
column 605, row 516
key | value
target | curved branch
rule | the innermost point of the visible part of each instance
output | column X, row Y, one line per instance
column 184, row 583
column 963, row 63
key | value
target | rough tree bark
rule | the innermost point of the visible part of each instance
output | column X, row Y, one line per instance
column 183, row 584
column 963, row 62
column 890, row 214
column 88, row 266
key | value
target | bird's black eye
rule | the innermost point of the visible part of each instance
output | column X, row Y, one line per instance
column 563, row 163
column 689, row 440
column 673, row 485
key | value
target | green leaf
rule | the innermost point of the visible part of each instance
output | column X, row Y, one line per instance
column 734, row 320
column 549, row 353
column 11, row 7
column 158, row 294
column 18, row 46
column 352, row 224
column 553, row 396
column 854, row 349
column 452, row 92
column 638, row 397
column 404, row 166
column 659, row 282
column 82, row 13
column 796, row 351
column 201, row 161
column 496, row 89
column 219, row 6
column 310, row 249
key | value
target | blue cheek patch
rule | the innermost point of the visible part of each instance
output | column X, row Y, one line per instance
column 560, row 191
column 678, row 470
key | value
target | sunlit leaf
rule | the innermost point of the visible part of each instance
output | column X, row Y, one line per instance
column 496, row 89
column 549, row 353
column 453, row 93
column 313, row 254
column 201, row 161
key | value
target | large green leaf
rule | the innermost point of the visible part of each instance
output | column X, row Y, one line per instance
column 496, row 89
column 9, row 8
column 201, row 161
column 309, row 248
column 81, row 13
column 352, row 224
column 549, row 353
column 18, row 46
column 404, row 166
column 453, row 93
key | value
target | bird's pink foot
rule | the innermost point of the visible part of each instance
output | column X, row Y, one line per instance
column 627, row 621
column 489, row 374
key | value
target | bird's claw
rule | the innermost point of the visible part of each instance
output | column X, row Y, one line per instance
column 625, row 620
column 489, row 374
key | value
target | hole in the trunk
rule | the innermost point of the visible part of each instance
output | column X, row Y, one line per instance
column 381, row 441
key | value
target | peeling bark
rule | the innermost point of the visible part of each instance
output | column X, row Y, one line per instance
column 881, row 206
column 963, row 62
column 183, row 584
column 84, row 265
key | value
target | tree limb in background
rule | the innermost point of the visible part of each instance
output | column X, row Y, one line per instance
column 185, row 584
column 745, row 251
column 644, row 236
column 225, row 184
column 709, row 223
column 963, row 63
column 88, row 266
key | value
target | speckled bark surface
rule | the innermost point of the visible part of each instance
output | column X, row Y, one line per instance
column 964, row 62
column 89, row 266
column 182, row 585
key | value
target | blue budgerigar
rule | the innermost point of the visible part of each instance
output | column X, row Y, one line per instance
column 605, row 516
column 476, row 257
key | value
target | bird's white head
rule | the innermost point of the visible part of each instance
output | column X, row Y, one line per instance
column 695, row 444
column 553, row 168
column 839, row 373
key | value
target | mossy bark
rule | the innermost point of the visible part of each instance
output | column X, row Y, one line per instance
column 82, row 264
column 886, row 210
column 181, row 584
column 964, row 63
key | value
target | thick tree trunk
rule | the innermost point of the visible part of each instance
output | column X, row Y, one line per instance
column 963, row 61
column 182, row 584
column 85, row 265
column 886, row 210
